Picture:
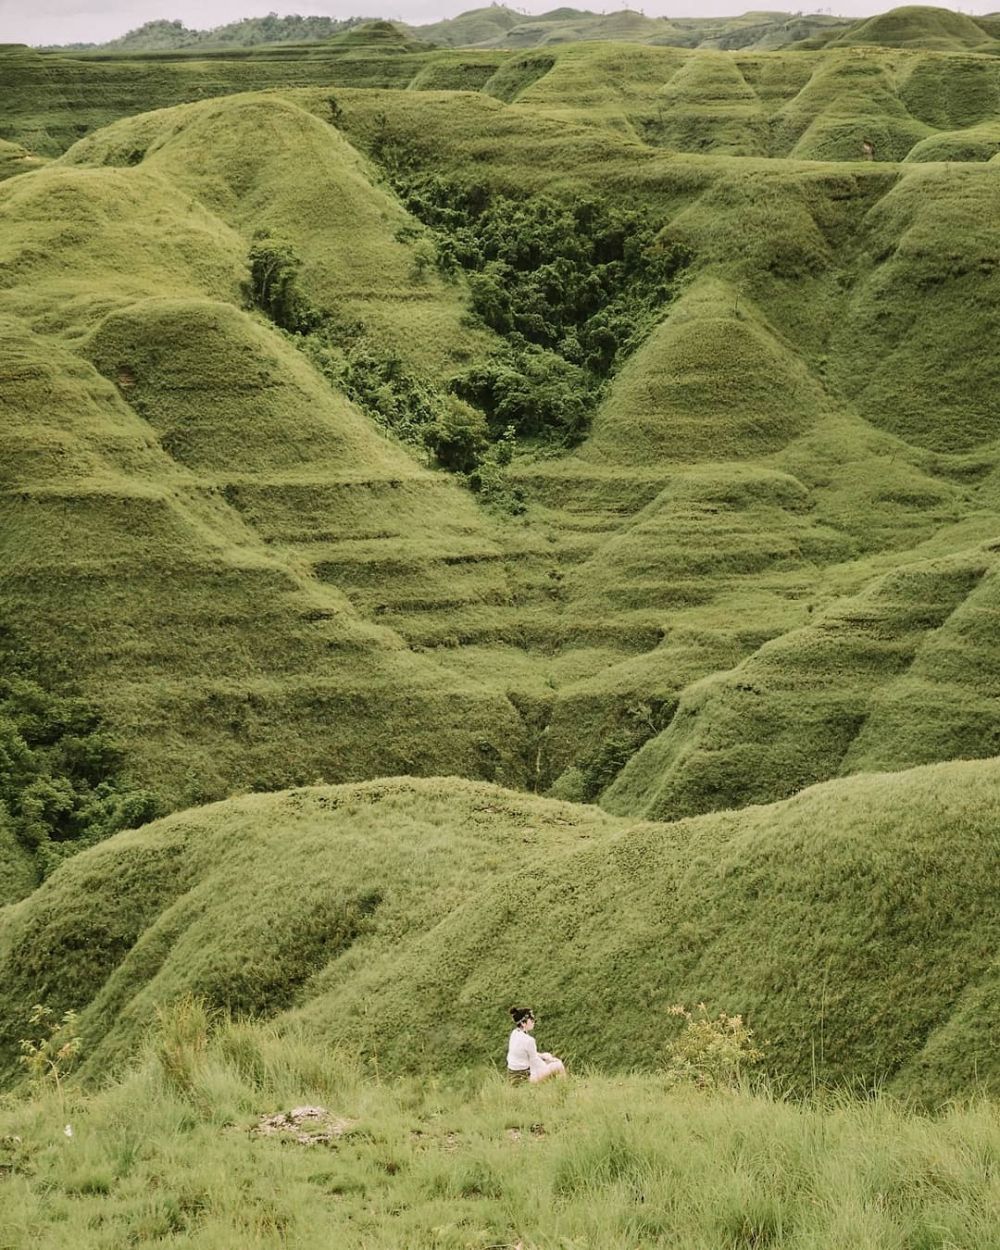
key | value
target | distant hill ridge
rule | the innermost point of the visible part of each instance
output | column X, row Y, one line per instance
column 498, row 26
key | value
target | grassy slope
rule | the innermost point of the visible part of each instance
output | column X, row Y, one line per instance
column 15, row 159
column 819, row 105
column 853, row 924
column 668, row 549
column 53, row 100
column 345, row 229
column 182, row 489
column 661, row 524
column 849, row 691
column 246, row 575
column 616, row 1163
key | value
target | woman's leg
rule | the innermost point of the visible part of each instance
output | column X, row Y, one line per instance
column 554, row 1067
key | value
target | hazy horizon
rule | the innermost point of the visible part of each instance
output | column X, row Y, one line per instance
column 82, row 21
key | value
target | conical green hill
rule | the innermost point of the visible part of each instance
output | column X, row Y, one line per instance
column 977, row 143
column 76, row 242
column 378, row 35
column 709, row 105
column 853, row 925
column 300, row 179
column 712, row 382
column 477, row 26
column 710, row 530
column 916, row 348
column 944, row 705
column 228, row 398
column 918, row 26
column 173, row 600
column 798, row 710
column 624, row 25
column 242, row 411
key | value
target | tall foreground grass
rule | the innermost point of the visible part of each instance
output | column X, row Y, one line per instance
column 166, row 1157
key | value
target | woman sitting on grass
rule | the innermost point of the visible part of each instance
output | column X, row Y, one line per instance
column 524, row 1062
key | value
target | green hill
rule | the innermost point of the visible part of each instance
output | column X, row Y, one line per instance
column 187, row 487
column 919, row 26
column 774, row 426
column 708, row 358
column 379, row 35
column 493, row 26
column 477, row 26
column 815, row 105
column 54, row 99
column 365, row 914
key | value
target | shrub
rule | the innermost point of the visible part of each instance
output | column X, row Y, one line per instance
column 273, row 285
column 532, row 391
column 711, row 1051
column 458, row 436
column 570, row 786
column 61, row 783
column 574, row 288
column 54, row 1048
column 180, row 1042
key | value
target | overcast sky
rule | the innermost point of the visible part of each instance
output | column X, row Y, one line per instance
column 94, row 21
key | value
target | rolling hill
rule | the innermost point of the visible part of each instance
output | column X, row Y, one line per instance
column 498, row 26
column 565, row 619
column 918, row 26
column 365, row 913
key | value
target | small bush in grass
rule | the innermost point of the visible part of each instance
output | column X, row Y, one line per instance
column 55, row 1045
column 457, row 436
column 711, row 1051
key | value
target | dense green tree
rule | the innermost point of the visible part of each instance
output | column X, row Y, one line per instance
column 61, row 785
column 165, row 35
column 273, row 285
column 572, row 287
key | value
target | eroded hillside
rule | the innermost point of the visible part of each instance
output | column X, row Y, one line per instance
column 617, row 423
column 256, row 586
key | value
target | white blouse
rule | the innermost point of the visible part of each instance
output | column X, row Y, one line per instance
column 522, row 1053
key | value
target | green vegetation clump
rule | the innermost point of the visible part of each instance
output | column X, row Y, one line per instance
column 164, row 35
column 572, row 288
column 61, row 784
column 711, row 1051
column 400, row 401
column 273, row 285
column 48, row 1055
